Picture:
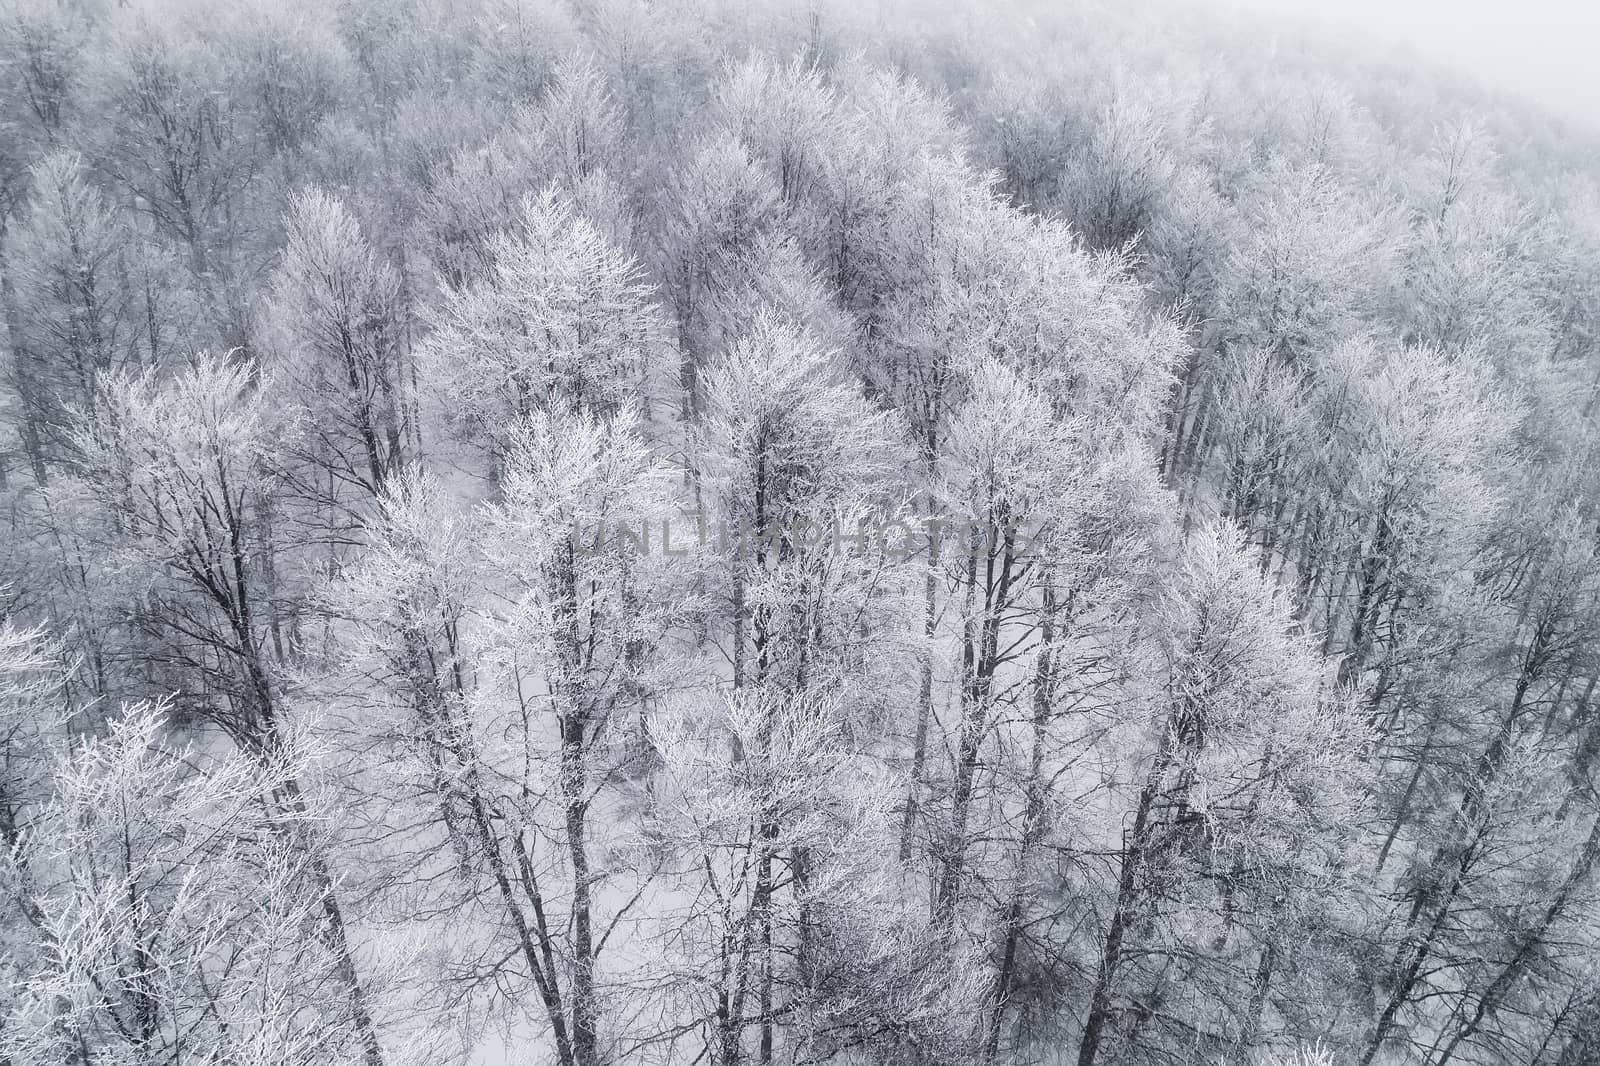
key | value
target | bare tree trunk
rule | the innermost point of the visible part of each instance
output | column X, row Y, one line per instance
column 338, row 939
column 980, row 656
column 1457, row 854
column 1134, row 853
column 574, row 783
column 919, row 749
column 1491, row 998
column 1034, row 821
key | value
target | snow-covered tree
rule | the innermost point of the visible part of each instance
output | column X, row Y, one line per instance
column 78, row 309
column 564, row 319
column 1250, row 778
column 337, row 315
column 176, row 912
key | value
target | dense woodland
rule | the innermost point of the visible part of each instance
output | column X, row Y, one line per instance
column 1158, row 623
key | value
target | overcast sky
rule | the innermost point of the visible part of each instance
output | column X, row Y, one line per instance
column 1547, row 50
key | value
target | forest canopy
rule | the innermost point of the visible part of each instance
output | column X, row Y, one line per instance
column 598, row 532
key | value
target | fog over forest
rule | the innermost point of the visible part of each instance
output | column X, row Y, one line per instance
column 853, row 532
column 1542, row 50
